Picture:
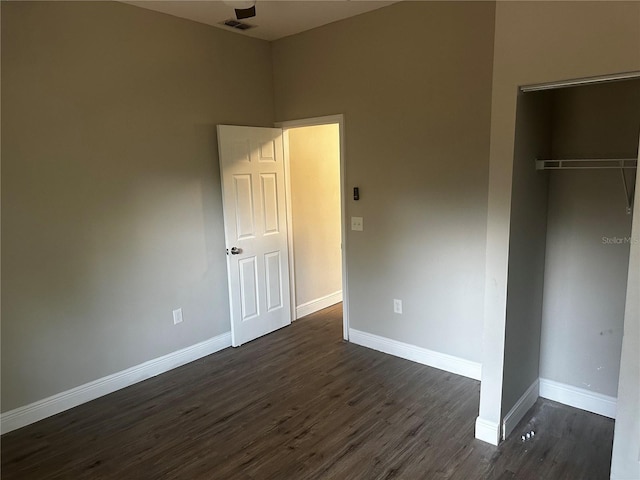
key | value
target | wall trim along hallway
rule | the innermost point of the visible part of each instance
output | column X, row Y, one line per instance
column 445, row 362
column 47, row 407
column 318, row 304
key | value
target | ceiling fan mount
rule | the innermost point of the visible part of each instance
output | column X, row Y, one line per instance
column 243, row 8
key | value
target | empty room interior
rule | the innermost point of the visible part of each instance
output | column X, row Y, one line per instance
column 320, row 240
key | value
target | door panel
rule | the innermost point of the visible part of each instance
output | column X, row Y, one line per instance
column 269, row 185
column 248, row 273
column 245, row 216
column 252, row 172
column 267, row 152
column 273, row 264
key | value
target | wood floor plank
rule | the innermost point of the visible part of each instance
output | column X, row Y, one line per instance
column 302, row 404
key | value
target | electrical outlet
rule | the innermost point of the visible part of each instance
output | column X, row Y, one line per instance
column 397, row 306
column 177, row 316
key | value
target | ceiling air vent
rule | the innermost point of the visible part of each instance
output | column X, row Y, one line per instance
column 237, row 25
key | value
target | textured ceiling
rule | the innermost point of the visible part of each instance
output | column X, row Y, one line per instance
column 273, row 20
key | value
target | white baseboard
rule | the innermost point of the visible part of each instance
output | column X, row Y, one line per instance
column 449, row 363
column 60, row 402
column 318, row 304
column 578, row 397
column 626, row 477
column 487, row 431
column 519, row 410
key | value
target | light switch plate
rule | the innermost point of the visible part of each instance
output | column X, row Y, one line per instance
column 356, row 224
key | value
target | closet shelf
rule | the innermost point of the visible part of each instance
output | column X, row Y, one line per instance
column 621, row 164
column 587, row 164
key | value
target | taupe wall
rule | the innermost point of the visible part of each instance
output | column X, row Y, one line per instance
column 537, row 42
column 586, row 274
column 526, row 248
column 111, row 204
column 314, row 160
column 413, row 81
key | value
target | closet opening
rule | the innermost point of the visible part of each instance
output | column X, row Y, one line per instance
column 574, row 180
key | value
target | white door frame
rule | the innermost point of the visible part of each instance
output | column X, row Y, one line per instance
column 310, row 122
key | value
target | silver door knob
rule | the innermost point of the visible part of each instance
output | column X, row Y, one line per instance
column 235, row 250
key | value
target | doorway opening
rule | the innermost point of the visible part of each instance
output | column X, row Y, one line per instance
column 314, row 170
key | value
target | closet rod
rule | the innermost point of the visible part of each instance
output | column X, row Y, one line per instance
column 587, row 164
column 581, row 81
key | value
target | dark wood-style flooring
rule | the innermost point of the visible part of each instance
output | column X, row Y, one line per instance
column 302, row 404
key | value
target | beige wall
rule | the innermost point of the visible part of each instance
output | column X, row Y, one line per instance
column 111, row 203
column 413, row 81
column 537, row 42
column 314, row 159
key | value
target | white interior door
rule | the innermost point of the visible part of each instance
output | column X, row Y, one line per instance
column 253, row 189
